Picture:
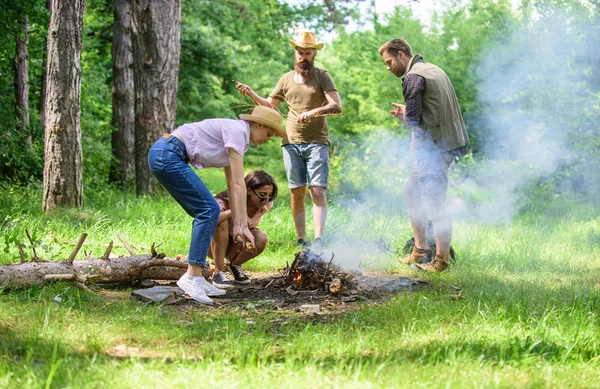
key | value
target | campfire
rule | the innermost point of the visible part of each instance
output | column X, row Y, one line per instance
column 310, row 271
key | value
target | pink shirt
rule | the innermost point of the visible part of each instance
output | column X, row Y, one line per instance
column 252, row 221
column 208, row 142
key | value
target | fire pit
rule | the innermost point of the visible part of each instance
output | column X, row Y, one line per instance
column 310, row 271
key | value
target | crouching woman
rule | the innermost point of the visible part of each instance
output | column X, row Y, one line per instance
column 205, row 144
column 261, row 191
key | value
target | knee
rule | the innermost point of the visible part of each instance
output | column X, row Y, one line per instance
column 223, row 227
column 211, row 211
column 410, row 195
column 260, row 241
column 298, row 193
column 319, row 195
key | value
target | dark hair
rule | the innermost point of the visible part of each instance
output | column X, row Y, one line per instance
column 259, row 178
column 394, row 46
column 254, row 180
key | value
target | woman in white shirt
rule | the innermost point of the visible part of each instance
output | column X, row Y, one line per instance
column 210, row 143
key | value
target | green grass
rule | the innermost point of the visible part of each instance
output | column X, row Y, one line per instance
column 530, row 316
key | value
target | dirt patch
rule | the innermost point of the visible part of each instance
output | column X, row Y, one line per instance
column 261, row 295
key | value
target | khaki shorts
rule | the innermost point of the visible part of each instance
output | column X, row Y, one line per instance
column 429, row 179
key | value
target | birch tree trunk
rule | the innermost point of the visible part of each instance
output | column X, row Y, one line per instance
column 22, row 80
column 156, row 30
column 63, row 185
column 123, row 119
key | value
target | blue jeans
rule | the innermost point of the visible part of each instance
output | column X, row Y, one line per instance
column 168, row 162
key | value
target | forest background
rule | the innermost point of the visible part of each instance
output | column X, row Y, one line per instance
column 520, row 306
column 525, row 74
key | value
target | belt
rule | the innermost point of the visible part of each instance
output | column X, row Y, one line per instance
column 166, row 136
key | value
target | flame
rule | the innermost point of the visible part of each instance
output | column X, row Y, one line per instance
column 297, row 277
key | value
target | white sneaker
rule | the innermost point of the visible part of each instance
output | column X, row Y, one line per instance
column 194, row 289
column 209, row 288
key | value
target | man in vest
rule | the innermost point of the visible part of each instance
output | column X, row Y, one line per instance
column 439, row 136
column 311, row 95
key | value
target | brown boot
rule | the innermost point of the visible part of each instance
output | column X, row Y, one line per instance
column 417, row 256
column 439, row 264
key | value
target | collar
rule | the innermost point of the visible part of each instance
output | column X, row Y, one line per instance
column 408, row 66
column 415, row 59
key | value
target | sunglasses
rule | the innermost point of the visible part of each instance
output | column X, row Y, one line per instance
column 263, row 198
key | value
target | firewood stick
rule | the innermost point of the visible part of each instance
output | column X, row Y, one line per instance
column 60, row 277
column 108, row 250
column 327, row 270
column 127, row 246
column 77, row 247
column 21, row 252
column 270, row 282
column 82, row 286
column 162, row 262
column 35, row 257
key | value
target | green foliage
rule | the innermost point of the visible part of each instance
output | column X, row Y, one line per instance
column 18, row 162
column 528, row 312
column 96, row 98
column 223, row 41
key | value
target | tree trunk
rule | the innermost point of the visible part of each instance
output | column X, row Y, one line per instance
column 22, row 81
column 112, row 270
column 123, row 167
column 42, row 102
column 156, row 49
column 63, row 184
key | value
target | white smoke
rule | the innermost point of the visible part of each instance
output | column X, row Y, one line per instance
column 528, row 87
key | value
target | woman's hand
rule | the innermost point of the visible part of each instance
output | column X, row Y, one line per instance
column 242, row 235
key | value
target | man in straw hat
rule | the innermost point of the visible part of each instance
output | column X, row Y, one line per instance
column 311, row 96
column 205, row 144
column 439, row 135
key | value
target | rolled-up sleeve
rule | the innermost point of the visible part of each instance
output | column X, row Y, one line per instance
column 413, row 87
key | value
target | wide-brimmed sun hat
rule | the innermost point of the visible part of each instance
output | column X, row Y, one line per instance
column 267, row 116
column 306, row 40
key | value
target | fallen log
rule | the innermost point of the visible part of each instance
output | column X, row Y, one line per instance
column 97, row 270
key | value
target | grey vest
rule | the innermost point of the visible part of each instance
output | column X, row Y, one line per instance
column 441, row 118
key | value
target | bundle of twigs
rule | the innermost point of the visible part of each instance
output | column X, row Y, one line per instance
column 310, row 271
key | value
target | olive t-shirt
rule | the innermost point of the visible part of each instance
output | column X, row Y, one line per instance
column 302, row 97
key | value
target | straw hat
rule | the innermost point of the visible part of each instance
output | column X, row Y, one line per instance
column 267, row 116
column 306, row 40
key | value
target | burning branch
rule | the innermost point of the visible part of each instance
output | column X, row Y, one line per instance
column 310, row 271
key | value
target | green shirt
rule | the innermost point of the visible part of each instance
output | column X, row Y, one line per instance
column 302, row 97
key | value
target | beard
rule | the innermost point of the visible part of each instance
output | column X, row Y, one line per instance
column 305, row 68
column 398, row 70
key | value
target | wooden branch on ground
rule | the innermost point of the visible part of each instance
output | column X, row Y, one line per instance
column 21, row 252
column 77, row 247
column 35, row 257
column 127, row 246
column 108, row 250
column 98, row 270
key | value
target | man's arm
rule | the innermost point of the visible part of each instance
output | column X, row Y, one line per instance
column 245, row 90
column 333, row 107
column 411, row 113
column 413, row 86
